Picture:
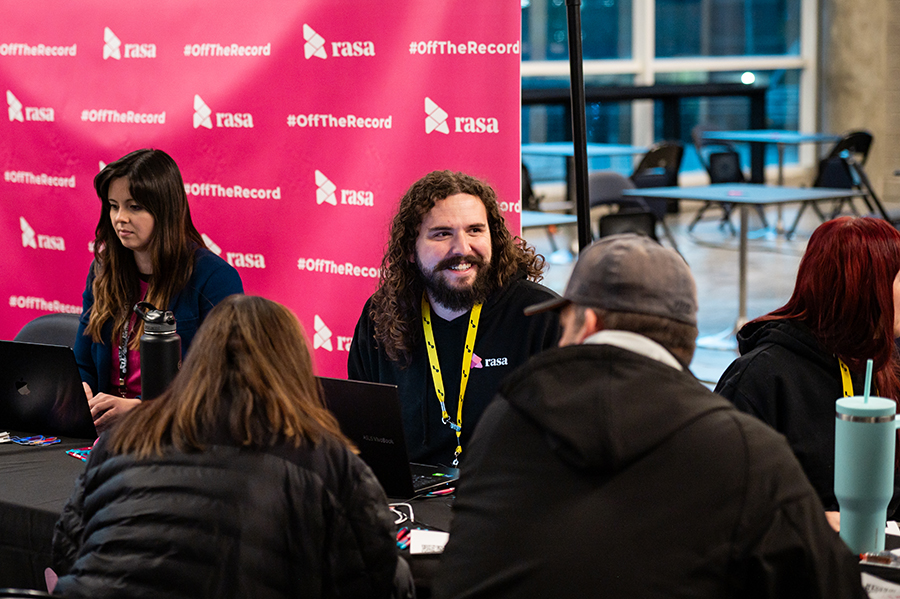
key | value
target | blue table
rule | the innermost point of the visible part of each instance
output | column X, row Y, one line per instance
column 566, row 149
column 744, row 195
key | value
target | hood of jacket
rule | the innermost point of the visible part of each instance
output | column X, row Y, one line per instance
column 602, row 407
column 789, row 334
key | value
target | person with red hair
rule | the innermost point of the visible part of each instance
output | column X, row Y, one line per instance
column 798, row 360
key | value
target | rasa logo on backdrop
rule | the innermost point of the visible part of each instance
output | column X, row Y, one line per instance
column 437, row 119
column 322, row 337
column 203, row 117
column 46, row 242
column 315, row 45
column 112, row 48
column 325, row 193
column 236, row 259
column 20, row 113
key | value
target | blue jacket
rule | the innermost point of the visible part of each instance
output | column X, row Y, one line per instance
column 212, row 281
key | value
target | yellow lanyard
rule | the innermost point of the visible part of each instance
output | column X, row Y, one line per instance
column 436, row 368
column 845, row 379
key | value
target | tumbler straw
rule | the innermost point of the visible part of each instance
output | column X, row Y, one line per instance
column 868, row 380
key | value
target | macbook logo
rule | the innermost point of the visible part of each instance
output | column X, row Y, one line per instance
column 322, row 337
column 325, row 190
column 111, row 45
column 436, row 118
column 28, row 236
column 202, row 113
column 315, row 43
column 15, row 107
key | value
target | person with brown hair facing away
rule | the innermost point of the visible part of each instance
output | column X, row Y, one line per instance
column 446, row 323
column 235, row 482
column 145, row 248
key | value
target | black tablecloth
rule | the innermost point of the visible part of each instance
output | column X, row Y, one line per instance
column 35, row 482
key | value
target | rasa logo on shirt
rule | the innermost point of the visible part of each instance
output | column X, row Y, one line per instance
column 236, row 259
column 315, row 45
column 326, row 193
column 479, row 362
column 30, row 239
column 203, row 117
column 18, row 112
column 437, row 119
column 112, row 48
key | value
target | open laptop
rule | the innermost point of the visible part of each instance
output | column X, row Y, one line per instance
column 41, row 391
column 369, row 415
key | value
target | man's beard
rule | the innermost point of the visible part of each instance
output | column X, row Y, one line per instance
column 453, row 298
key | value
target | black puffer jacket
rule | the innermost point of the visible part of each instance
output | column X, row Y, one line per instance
column 785, row 378
column 288, row 522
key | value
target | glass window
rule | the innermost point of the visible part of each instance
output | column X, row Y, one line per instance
column 727, row 27
column 605, row 26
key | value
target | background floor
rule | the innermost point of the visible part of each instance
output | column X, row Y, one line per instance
column 712, row 253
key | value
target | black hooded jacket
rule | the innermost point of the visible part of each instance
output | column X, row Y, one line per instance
column 599, row 472
column 785, row 378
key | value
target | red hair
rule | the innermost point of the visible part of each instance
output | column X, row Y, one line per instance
column 845, row 295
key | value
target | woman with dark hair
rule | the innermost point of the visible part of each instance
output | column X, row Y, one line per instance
column 235, row 482
column 145, row 248
column 798, row 360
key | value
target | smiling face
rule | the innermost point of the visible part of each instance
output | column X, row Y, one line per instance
column 453, row 251
column 132, row 222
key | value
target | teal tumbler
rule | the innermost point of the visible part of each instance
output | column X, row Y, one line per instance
column 864, row 442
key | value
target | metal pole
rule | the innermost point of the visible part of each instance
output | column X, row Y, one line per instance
column 579, row 126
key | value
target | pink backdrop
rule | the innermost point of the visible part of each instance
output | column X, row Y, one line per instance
column 297, row 126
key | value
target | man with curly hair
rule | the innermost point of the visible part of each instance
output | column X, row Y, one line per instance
column 446, row 324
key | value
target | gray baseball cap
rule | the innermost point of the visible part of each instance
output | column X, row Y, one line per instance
column 630, row 273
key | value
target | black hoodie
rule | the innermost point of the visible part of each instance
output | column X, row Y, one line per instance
column 599, row 472
column 505, row 340
column 785, row 378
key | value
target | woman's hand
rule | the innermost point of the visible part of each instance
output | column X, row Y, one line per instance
column 834, row 518
column 106, row 408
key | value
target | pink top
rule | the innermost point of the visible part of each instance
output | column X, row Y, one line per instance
column 133, row 372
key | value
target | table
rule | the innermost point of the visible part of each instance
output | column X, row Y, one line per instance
column 744, row 195
column 778, row 137
column 36, row 482
column 532, row 219
column 566, row 149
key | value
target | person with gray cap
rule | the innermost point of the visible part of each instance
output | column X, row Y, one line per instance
column 604, row 468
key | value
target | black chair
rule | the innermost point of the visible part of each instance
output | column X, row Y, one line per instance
column 723, row 165
column 835, row 171
column 606, row 187
column 627, row 221
column 530, row 200
column 52, row 329
column 659, row 168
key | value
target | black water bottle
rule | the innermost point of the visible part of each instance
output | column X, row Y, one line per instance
column 160, row 350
